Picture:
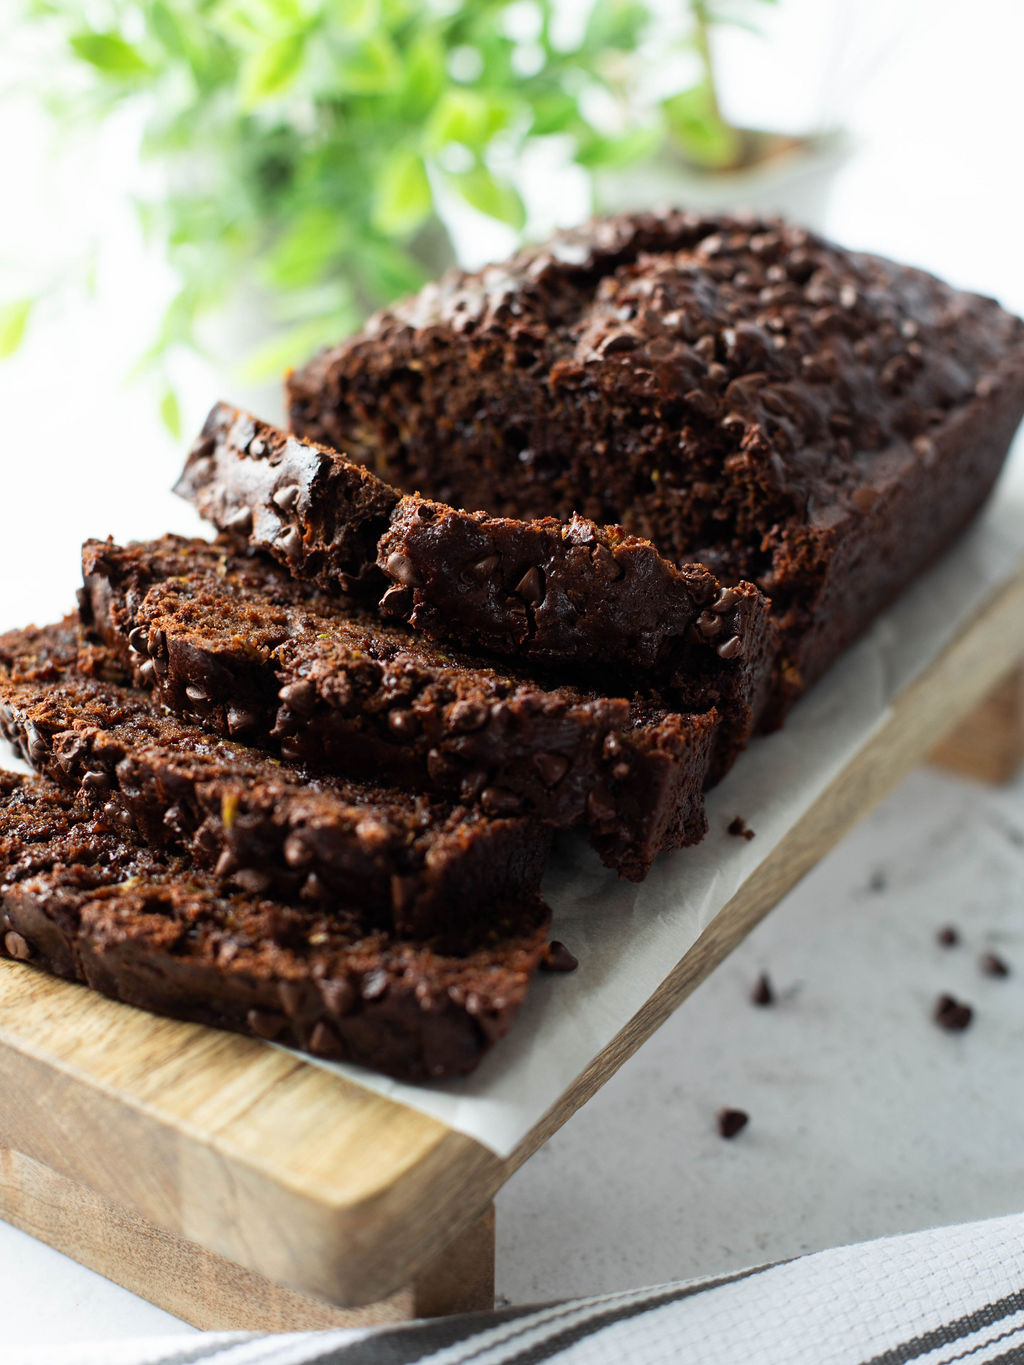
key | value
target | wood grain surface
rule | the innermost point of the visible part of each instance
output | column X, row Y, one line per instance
column 285, row 1170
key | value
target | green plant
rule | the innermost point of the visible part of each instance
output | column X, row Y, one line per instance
column 310, row 146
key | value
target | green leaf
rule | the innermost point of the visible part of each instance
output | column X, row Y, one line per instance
column 170, row 413
column 309, row 245
column 295, row 345
column 270, row 70
column 554, row 113
column 109, row 53
column 14, row 319
column 387, row 271
column 424, row 76
column 468, row 117
column 616, row 25
column 595, row 152
column 374, row 68
column 699, row 131
column 487, row 194
column 403, row 197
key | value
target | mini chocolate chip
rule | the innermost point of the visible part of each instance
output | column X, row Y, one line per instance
column 731, row 648
column 239, row 521
column 96, row 780
column 619, row 342
column 338, row 995
column 620, row 771
column 500, row 801
column 17, row 946
column 292, row 995
column 466, row 716
column 952, row 1014
column 993, row 965
column 289, row 542
column 726, row 599
column 401, row 568
column 196, row 693
column 531, row 586
column 761, row 993
column 557, row 958
column 739, row 828
column 266, row 1023
column 253, row 881
column 226, row 864
column 146, row 673
column 314, row 889
column 158, row 645
column 709, row 624
column 299, row 696
column 138, row 640
column 116, row 814
column 287, row 497
column 239, row 719
column 325, row 1042
column 551, row 767
column 35, row 745
column 731, row 1122
column 948, row 936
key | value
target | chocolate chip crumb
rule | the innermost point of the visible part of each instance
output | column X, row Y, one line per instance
column 948, row 936
column 557, row 958
column 762, row 993
column 731, row 1122
column 952, row 1014
column 740, row 829
column 993, row 965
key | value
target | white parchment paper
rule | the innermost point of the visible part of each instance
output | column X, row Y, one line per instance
column 628, row 938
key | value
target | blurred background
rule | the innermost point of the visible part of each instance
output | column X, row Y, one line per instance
column 198, row 193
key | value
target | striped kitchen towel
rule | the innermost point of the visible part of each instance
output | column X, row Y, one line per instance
column 941, row 1297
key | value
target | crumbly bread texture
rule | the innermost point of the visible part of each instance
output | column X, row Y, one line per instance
column 81, row 898
column 603, row 607
column 234, row 643
column 738, row 391
column 403, row 862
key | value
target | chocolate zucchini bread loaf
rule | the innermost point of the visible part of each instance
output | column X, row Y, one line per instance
column 604, row 607
column 81, row 898
column 741, row 393
column 235, row 643
column 405, row 862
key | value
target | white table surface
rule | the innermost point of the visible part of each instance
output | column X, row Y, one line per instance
column 865, row 1117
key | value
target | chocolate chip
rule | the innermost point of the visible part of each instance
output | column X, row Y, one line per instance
column 239, row 719
column 557, row 958
column 17, row 946
column 266, row 1023
column 864, row 498
column 948, row 936
column 731, row 648
column 287, row 497
column 196, row 693
column 709, row 624
column 239, row 521
column 500, row 801
column 952, row 1014
column 158, row 645
column 396, row 601
column 251, row 880
column 466, row 716
column 374, row 984
column 551, row 767
column 726, row 600
column 993, row 965
column 226, row 864
column 145, row 674
column 739, row 828
column 289, row 542
column 297, row 852
column 299, row 696
column 531, row 586
column 339, row 996
column 36, row 746
column 403, row 723
column 605, row 563
column 483, row 568
column 325, row 1042
column 731, row 1122
column 600, row 806
column 96, row 780
column 619, row 343
column 401, row 568
column 762, row 993
column 138, row 640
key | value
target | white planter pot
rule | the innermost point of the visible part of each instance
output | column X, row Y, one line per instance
column 796, row 183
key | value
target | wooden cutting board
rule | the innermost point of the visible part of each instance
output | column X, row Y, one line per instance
column 237, row 1185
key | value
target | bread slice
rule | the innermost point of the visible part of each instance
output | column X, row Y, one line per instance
column 81, row 898
column 403, row 862
column 740, row 392
column 234, row 643
column 603, row 607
